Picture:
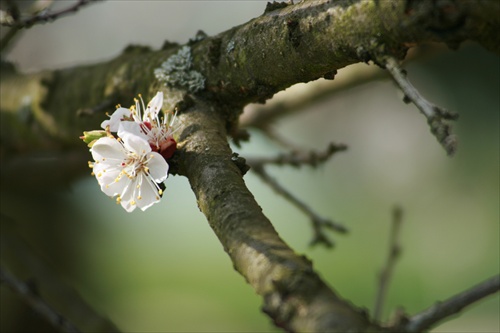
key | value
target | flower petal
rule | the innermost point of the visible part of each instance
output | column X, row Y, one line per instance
column 148, row 193
column 107, row 149
column 116, row 118
column 158, row 167
column 131, row 127
column 154, row 107
column 135, row 144
column 129, row 195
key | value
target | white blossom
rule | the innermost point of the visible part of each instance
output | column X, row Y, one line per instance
column 128, row 169
column 146, row 123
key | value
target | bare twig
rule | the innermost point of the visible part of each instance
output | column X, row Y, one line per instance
column 318, row 222
column 16, row 23
column 435, row 115
column 392, row 257
column 42, row 289
column 299, row 158
column 452, row 306
column 29, row 294
column 46, row 15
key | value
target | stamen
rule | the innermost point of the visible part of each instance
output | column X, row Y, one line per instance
column 142, row 102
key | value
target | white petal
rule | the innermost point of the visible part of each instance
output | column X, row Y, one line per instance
column 115, row 185
column 116, row 119
column 131, row 127
column 135, row 144
column 154, row 107
column 107, row 149
column 149, row 193
column 158, row 167
column 129, row 195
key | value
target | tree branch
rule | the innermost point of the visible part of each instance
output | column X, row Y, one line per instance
column 298, row 158
column 392, row 257
column 46, row 15
column 29, row 295
column 12, row 18
column 318, row 222
column 435, row 115
column 44, row 291
column 452, row 306
column 332, row 34
column 294, row 295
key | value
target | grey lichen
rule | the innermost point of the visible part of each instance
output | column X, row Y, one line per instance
column 230, row 46
column 177, row 71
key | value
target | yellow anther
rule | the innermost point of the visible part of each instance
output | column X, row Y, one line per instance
column 99, row 174
column 160, row 191
column 139, row 197
column 132, row 202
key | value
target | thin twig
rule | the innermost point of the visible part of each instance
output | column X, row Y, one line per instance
column 46, row 15
column 318, row 222
column 29, row 294
column 430, row 317
column 435, row 115
column 392, row 257
column 299, row 158
column 16, row 23
column 43, row 284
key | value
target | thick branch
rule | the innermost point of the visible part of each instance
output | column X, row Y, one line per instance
column 252, row 62
column 248, row 63
column 294, row 295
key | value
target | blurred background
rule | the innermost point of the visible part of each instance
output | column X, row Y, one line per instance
column 164, row 270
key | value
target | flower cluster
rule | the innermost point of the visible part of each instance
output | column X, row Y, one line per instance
column 131, row 164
